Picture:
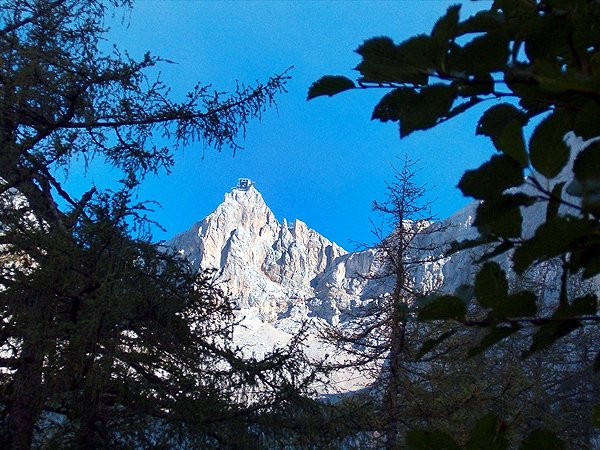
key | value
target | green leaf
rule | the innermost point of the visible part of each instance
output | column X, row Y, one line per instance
column 501, row 216
column 492, row 178
column 585, row 254
column 378, row 59
column 486, row 435
column 564, row 321
column 548, row 333
column 581, row 306
column 495, row 335
column 427, row 108
column 521, row 304
column 590, row 257
column 496, row 118
column 443, row 307
column 480, row 85
column 430, row 440
column 446, row 26
column 587, row 178
column 430, row 344
column 503, row 124
column 491, row 286
column 547, row 149
column 329, row 85
column 541, row 439
column 506, row 223
column 482, row 55
column 376, row 46
column 420, row 52
column 481, row 22
column 415, row 110
column 511, row 142
column 552, row 238
column 531, row 96
column 548, row 38
column 587, row 120
column 394, row 105
column 409, row 62
column 380, row 46
column 596, row 416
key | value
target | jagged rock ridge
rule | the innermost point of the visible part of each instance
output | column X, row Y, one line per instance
column 269, row 266
column 284, row 274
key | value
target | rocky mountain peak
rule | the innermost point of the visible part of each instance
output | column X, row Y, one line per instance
column 245, row 208
column 267, row 264
column 286, row 274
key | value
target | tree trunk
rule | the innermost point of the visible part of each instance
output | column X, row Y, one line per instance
column 394, row 386
column 26, row 398
column 87, row 437
column 28, row 392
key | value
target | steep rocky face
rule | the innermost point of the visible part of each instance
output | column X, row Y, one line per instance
column 282, row 274
column 285, row 273
column 268, row 265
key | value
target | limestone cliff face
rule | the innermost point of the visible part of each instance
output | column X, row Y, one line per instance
column 282, row 274
column 267, row 265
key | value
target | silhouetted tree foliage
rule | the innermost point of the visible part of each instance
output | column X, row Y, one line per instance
column 380, row 339
column 537, row 61
column 108, row 340
column 422, row 374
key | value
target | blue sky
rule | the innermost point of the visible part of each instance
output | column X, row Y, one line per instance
column 322, row 161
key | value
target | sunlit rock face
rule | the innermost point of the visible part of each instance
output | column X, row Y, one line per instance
column 267, row 265
column 282, row 273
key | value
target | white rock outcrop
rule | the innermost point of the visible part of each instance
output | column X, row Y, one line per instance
column 284, row 274
column 267, row 265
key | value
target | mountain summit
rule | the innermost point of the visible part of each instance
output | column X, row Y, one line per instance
column 283, row 273
column 268, row 265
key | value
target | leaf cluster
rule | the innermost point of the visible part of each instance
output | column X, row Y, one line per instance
column 488, row 433
column 108, row 340
column 537, row 61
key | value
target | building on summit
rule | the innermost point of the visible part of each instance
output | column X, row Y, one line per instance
column 244, row 184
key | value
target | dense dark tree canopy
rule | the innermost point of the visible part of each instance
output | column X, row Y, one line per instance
column 536, row 64
column 108, row 340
